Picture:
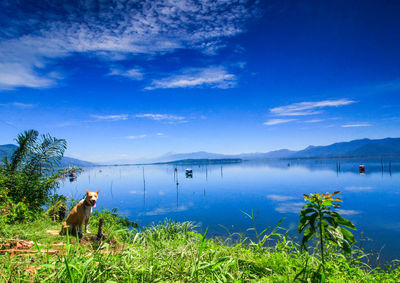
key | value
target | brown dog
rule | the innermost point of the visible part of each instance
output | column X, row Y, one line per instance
column 81, row 212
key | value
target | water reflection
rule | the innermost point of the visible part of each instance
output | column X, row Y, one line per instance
column 216, row 195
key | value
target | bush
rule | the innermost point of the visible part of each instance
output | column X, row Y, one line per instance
column 30, row 176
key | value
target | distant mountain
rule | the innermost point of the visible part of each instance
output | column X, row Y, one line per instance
column 203, row 161
column 355, row 148
column 193, row 155
column 69, row 161
column 282, row 153
column 8, row 149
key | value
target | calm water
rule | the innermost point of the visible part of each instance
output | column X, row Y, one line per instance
column 217, row 195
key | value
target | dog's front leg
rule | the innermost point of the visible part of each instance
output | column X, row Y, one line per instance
column 86, row 225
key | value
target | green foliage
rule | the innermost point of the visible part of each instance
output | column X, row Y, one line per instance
column 262, row 237
column 318, row 218
column 57, row 207
column 31, row 174
column 174, row 252
column 11, row 212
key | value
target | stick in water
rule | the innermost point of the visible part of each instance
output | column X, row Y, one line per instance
column 100, row 231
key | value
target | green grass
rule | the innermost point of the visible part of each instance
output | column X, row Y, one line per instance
column 172, row 252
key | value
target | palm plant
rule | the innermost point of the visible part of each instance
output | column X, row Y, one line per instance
column 32, row 169
column 36, row 154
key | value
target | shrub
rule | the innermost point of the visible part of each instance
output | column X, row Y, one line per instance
column 318, row 219
column 30, row 175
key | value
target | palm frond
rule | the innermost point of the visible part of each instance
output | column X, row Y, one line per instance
column 25, row 142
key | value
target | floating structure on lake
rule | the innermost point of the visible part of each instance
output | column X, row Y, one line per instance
column 189, row 173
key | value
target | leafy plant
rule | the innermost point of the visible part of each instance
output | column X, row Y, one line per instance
column 318, row 218
column 32, row 172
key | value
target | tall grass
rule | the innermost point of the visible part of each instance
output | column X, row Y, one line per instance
column 175, row 252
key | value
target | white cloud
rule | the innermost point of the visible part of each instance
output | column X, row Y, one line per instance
column 133, row 74
column 289, row 207
column 136, row 137
column 313, row 121
column 113, row 30
column 162, row 117
column 279, row 197
column 118, row 117
column 160, row 134
column 358, row 188
column 348, row 212
column 21, row 75
column 356, row 125
column 161, row 211
column 308, row 108
column 19, row 105
column 272, row 122
column 22, row 105
column 215, row 77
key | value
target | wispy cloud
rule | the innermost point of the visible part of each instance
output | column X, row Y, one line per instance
column 19, row 105
column 118, row 117
column 359, row 188
column 161, row 211
column 133, row 74
column 289, row 207
column 272, row 122
column 21, row 74
column 356, row 125
column 348, row 212
column 313, row 121
column 113, row 30
column 308, row 108
column 162, row 117
column 214, row 77
column 280, row 197
column 136, row 137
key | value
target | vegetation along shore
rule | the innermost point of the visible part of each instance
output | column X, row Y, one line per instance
column 167, row 251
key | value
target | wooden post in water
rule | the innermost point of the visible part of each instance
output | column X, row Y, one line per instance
column 177, row 190
column 100, row 230
column 144, row 189
column 390, row 167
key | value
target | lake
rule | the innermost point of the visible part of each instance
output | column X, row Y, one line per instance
column 217, row 195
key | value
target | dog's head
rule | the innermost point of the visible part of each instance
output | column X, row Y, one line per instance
column 91, row 197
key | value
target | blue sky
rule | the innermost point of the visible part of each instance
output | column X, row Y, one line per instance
column 123, row 80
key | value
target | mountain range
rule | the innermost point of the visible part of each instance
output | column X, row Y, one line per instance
column 8, row 149
column 356, row 148
column 387, row 147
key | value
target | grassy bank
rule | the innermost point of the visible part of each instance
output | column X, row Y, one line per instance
column 170, row 251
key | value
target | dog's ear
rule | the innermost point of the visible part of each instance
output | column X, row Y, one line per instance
column 87, row 191
column 97, row 191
